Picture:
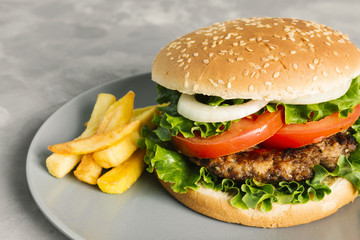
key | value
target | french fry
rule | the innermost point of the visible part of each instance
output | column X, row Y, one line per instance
column 118, row 114
column 115, row 155
column 96, row 142
column 138, row 111
column 88, row 170
column 118, row 153
column 59, row 165
column 120, row 178
column 104, row 101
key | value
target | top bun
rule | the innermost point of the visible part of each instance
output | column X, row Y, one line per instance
column 258, row 58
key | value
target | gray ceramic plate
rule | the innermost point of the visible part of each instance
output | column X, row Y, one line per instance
column 145, row 211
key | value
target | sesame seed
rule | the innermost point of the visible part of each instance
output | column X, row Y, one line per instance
column 268, row 83
column 196, row 87
column 186, row 67
column 251, row 88
column 346, row 67
column 316, row 61
column 276, row 74
column 252, row 39
column 263, row 71
column 235, row 44
column 168, row 54
column 266, row 65
column 181, row 64
column 257, row 67
column 265, row 59
column 187, row 75
column 221, row 81
column 231, row 60
column 289, row 88
column 172, row 58
column 249, row 49
column 206, row 61
column 211, row 54
column 315, row 78
column 232, row 79
column 295, row 66
column 337, row 70
column 311, row 66
column 229, row 85
column 253, row 74
column 196, row 54
column 239, row 59
column 272, row 47
column 189, row 60
column 180, row 60
column 186, row 84
column 324, row 73
column 327, row 43
column 292, row 52
column 335, row 53
column 246, row 73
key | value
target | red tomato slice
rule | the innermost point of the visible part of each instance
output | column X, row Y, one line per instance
column 298, row 135
column 242, row 134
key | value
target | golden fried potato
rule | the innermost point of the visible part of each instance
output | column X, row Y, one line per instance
column 115, row 155
column 96, row 142
column 88, row 170
column 120, row 178
column 118, row 114
column 59, row 165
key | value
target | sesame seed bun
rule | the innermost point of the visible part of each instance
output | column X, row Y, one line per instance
column 258, row 58
column 217, row 205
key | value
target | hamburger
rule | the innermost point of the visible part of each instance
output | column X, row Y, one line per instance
column 260, row 123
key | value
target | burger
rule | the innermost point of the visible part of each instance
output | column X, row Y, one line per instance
column 259, row 121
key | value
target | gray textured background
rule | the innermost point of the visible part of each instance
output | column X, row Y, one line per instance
column 51, row 51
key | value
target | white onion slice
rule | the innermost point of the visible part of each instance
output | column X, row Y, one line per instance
column 190, row 108
column 319, row 97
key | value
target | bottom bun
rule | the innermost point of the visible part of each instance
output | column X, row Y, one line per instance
column 217, row 205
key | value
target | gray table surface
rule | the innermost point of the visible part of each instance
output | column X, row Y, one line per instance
column 51, row 51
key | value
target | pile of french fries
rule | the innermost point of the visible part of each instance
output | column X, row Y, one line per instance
column 108, row 145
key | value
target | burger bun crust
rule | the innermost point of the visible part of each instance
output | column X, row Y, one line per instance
column 258, row 58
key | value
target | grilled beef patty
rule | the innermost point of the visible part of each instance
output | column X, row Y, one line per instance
column 293, row 164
